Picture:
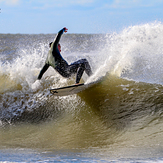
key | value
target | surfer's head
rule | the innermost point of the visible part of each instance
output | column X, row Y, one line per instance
column 50, row 44
column 59, row 46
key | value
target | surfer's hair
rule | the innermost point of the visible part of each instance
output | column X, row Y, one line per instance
column 50, row 44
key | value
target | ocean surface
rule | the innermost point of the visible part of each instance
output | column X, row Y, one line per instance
column 118, row 119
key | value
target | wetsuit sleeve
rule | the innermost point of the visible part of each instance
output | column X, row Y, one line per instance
column 55, row 43
column 46, row 66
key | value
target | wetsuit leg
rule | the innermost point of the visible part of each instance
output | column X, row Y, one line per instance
column 80, row 72
column 46, row 66
column 87, row 67
column 79, row 67
column 74, row 68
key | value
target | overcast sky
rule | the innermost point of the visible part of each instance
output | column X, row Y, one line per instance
column 79, row 16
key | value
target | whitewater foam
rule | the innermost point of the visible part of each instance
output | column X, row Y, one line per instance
column 36, row 85
column 137, row 53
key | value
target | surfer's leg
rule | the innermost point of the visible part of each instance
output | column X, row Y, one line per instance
column 83, row 66
column 79, row 67
column 80, row 72
column 46, row 66
column 87, row 67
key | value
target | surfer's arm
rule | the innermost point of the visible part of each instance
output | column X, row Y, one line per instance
column 55, row 44
column 46, row 66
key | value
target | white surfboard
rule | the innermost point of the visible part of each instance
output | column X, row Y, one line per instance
column 74, row 89
column 68, row 90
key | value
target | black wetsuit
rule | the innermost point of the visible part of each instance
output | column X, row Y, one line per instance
column 55, row 60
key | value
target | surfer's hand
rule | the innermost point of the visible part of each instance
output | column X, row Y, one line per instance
column 65, row 29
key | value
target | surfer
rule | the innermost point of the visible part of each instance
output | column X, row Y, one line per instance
column 55, row 60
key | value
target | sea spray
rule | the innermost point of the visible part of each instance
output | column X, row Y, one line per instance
column 137, row 53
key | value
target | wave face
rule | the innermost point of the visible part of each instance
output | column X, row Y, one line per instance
column 121, row 114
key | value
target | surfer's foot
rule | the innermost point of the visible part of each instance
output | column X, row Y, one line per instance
column 76, row 83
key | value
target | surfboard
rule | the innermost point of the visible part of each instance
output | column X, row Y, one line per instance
column 74, row 89
column 68, row 90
